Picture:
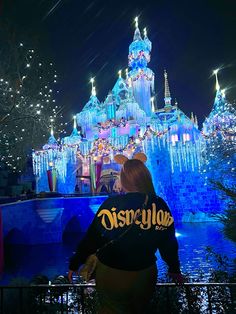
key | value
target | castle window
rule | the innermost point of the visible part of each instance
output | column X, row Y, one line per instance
column 186, row 137
column 174, row 138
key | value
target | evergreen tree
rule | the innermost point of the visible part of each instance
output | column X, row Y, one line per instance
column 219, row 153
column 219, row 134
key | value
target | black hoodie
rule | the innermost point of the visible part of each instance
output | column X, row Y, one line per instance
column 136, row 233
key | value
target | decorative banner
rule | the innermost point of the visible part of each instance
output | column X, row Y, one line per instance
column 49, row 174
column 52, row 179
column 98, row 172
column 92, row 175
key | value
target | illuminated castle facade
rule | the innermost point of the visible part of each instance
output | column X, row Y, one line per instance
column 128, row 121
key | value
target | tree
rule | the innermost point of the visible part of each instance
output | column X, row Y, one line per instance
column 27, row 102
column 219, row 153
column 219, row 132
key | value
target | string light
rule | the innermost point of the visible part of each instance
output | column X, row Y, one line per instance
column 30, row 114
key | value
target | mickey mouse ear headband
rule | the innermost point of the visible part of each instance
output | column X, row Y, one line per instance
column 140, row 156
column 121, row 159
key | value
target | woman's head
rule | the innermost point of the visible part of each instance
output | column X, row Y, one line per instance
column 135, row 177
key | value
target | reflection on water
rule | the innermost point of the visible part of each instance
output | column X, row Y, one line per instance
column 52, row 259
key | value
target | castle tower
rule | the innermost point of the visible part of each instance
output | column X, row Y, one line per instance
column 142, row 78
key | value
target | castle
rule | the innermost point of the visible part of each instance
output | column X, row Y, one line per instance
column 128, row 121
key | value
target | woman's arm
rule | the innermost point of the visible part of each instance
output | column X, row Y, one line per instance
column 168, row 247
column 167, row 242
column 92, row 241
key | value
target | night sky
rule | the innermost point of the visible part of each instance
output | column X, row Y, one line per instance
column 88, row 39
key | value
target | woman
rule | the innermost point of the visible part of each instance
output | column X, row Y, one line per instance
column 125, row 234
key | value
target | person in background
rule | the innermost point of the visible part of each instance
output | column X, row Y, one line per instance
column 124, row 237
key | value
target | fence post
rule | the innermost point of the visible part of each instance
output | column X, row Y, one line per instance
column 209, row 299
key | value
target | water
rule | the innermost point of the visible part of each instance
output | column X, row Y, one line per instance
column 52, row 259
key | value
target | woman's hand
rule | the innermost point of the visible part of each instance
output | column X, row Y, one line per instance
column 86, row 270
column 70, row 274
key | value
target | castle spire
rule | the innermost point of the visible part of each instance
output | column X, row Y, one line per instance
column 127, row 73
column 93, row 90
column 145, row 32
column 217, row 82
column 74, row 122
column 146, row 39
column 223, row 93
column 75, row 131
column 196, row 121
column 167, row 98
column 137, row 34
column 152, row 104
column 220, row 94
column 51, row 131
column 192, row 117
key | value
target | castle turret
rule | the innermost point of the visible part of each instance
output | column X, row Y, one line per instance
column 120, row 89
column 52, row 142
column 75, row 137
column 92, row 112
column 222, row 115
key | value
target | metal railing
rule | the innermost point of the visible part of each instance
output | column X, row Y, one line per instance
column 81, row 298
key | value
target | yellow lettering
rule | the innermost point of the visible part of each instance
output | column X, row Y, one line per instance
column 171, row 220
column 154, row 210
column 121, row 218
column 129, row 216
column 114, row 217
column 104, row 213
column 146, row 219
column 160, row 214
column 165, row 218
column 136, row 216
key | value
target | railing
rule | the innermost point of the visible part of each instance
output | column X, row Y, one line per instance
column 13, row 199
column 81, row 298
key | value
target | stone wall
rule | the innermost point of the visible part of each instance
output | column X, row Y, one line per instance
column 186, row 192
column 44, row 220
